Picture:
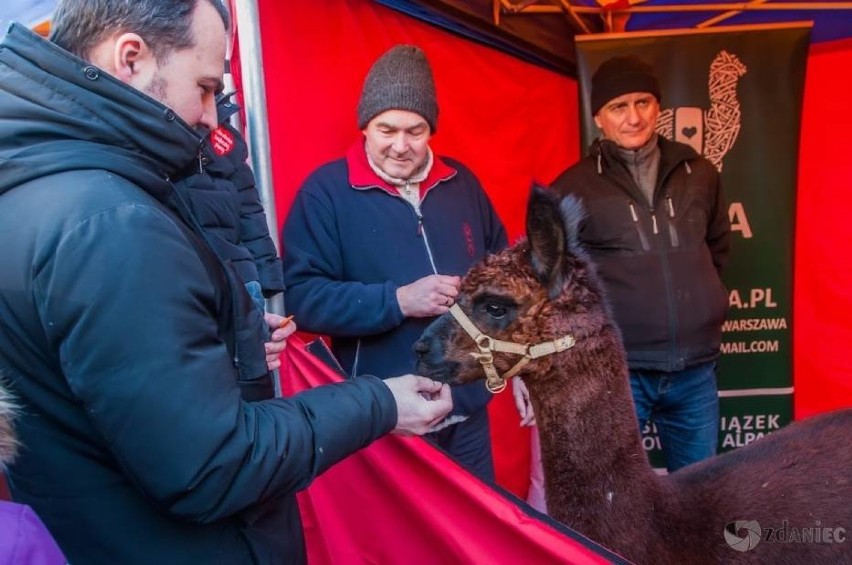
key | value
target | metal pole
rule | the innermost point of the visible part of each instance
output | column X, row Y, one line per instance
column 254, row 95
column 257, row 128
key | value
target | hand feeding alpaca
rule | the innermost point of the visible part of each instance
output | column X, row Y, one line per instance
column 545, row 292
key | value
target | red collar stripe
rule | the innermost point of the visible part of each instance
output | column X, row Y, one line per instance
column 362, row 176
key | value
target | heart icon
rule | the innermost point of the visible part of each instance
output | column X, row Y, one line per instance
column 689, row 132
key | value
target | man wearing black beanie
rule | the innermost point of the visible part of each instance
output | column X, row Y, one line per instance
column 657, row 227
column 375, row 243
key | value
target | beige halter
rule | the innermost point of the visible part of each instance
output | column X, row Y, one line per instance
column 488, row 345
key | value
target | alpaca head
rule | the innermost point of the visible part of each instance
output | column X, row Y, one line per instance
column 727, row 63
column 542, row 289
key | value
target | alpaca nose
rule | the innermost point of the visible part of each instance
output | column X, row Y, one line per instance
column 421, row 348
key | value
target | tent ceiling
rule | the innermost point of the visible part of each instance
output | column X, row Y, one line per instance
column 543, row 30
column 27, row 12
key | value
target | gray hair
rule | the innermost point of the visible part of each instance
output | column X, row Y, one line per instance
column 165, row 25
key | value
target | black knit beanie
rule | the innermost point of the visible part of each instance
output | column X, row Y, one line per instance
column 622, row 75
column 401, row 79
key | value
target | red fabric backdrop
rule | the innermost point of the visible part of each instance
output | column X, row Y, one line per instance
column 512, row 122
column 822, row 329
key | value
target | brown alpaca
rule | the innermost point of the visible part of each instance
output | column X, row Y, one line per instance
column 795, row 482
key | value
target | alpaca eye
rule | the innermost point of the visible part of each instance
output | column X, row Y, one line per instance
column 495, row 311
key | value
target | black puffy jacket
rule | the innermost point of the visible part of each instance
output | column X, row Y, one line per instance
column 220, row 190
column 117, row 337
column 660, row 263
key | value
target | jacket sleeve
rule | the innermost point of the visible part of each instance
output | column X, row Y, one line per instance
column 719, row 229
column 317, row 294
column 131, row 309
column 254, row 231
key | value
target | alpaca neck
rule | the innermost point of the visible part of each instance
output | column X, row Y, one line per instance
column 596, row 470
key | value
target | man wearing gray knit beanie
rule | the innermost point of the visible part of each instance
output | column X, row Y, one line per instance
column 657, row 227
column 401, row 79
column 376, row 243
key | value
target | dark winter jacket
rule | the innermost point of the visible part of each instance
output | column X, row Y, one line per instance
column 660, row 263
column 351, row 240
column 220, row 193
column 117, row 337
column 220, row 190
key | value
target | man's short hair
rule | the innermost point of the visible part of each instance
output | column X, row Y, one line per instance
column 165, row 25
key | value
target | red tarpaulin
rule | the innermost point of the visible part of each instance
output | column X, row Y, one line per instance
column 822, row 288
column 401, row 500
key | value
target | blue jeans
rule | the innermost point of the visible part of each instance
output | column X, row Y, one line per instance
column 685, row 407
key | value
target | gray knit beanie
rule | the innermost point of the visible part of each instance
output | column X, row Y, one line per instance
column 401, row 79
column 622, row 75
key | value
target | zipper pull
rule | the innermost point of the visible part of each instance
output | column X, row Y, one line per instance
column 200, row 162
column 419, row 225
column 671, row 206
column 654, row 222
column 641, row 232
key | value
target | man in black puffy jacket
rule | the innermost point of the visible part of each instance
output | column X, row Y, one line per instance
column 117, row 331
column 220, row 191
column 222, row 194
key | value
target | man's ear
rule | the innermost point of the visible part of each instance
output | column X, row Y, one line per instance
column 132, row 59
column 597, row 121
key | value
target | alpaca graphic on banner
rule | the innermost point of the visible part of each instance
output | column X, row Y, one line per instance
column 711, row 132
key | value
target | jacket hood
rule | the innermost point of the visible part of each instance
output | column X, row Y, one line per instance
column 8, row 444
column 59, row 113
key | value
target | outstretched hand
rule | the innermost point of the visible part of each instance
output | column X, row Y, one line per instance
column 280, row 328
column 429, row 296
column 420, row 403
column 522, row 402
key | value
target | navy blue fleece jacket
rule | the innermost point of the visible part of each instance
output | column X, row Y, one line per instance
column 351, row 240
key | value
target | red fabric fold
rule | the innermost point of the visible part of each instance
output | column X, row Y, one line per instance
column 401, row 500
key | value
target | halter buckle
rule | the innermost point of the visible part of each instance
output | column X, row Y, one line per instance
column 484, row 342
column 495, row 384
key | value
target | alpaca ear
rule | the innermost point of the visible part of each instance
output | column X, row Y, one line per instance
column 546, row 237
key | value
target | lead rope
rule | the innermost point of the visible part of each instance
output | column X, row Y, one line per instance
column 487, row 345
